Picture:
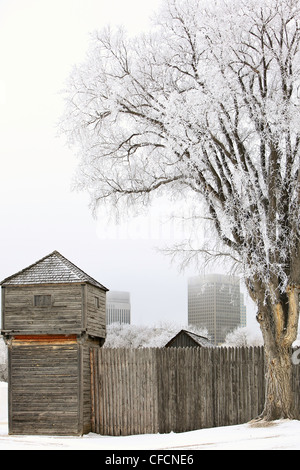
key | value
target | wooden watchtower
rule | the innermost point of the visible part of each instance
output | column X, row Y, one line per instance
column 52, row 314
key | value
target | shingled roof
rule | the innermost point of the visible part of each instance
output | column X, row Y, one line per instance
column 201, row 340
column 52, row 269
column 198, row 340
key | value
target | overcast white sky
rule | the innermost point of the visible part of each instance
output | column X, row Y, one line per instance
column 40, row 40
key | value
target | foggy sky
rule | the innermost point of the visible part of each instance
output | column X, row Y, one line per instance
column 40, row 41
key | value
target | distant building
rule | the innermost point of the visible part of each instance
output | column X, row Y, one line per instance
column 118, row 309
column 187, row 339
column 243, row 320
column 215, row 302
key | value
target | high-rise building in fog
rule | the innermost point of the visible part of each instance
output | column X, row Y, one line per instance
column 216, row 303
column 118, row 309
column 243, row 312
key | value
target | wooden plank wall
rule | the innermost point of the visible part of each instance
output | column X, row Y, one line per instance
column 96, row 315
column 63, row 315
column 44, row 389
column 124, row 391
column 138, row 391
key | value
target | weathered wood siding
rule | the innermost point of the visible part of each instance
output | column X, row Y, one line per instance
column 73, row 308
column 183, row 341
column 96, row 311
column 124, row 393
column 86, row 383
column 176, row 389
column 64, row 315
column 50, row 384
column 44, row 388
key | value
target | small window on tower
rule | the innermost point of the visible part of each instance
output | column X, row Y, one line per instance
column 97, row 301
column 42, row 300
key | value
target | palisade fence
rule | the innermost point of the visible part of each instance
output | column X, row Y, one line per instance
column 140, row 391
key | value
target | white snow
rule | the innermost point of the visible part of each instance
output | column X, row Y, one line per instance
column 3, row 403
column 279, row 435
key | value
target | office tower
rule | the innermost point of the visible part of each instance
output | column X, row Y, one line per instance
column 243, row 321
column 117, row 307
column 214, row 302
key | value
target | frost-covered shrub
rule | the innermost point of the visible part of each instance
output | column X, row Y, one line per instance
column 243, row 336
column 145, row 336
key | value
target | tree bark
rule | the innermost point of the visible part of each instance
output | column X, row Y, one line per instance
column 279, row 400
column 278, row 324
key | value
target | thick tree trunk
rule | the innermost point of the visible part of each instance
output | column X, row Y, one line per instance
column 279, row 325
column 279, row 401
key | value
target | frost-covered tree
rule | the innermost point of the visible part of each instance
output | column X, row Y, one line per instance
column 243, row 336
column 145, row 336
column 206, row 107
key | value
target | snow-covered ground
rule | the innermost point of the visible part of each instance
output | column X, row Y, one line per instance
column 280, row 435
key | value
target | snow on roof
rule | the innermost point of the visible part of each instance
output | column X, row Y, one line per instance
column 52, row 269
column 201, row 340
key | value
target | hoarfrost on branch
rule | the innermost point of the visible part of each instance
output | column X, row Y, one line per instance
column 205, row 108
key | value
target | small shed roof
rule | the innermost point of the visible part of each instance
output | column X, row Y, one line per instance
column 52, row 269
column 200, row 341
